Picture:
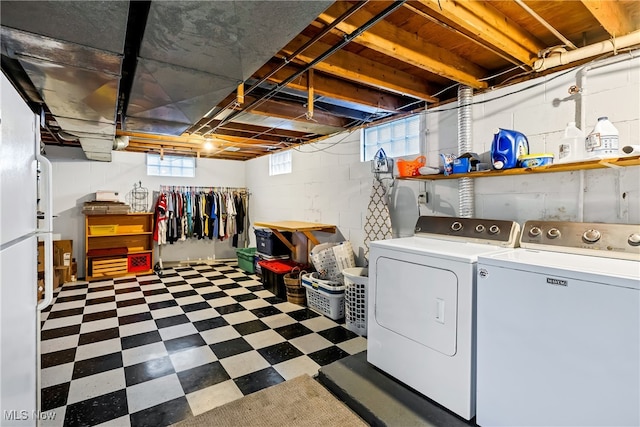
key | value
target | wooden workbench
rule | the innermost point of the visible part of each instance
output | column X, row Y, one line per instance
column 306, row 228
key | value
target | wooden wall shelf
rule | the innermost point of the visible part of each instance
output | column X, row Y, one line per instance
column 615, row 162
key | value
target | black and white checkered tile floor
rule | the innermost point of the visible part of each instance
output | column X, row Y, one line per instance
column 151, row 351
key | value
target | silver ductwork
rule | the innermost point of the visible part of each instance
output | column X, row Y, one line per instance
column 72, row 53
column 194, row 54
column 465, row 145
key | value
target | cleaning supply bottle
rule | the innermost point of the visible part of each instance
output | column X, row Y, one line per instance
column 571, row 145
column 603, row 139
column 506, row 147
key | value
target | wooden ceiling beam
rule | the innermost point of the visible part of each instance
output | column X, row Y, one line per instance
column 611, row 15
column 182, row 147
column 333, row 87
column 297, row 112
column 242, row 129
column 193, row 141
column 287, row 110
column 236, row 129
column 224, row 155
column 178, row 148
column 347, row 65
column 397, row 43
column 488, row 25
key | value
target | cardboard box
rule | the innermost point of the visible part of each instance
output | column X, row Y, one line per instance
column 62, row 255
column 59, row 274
column 106, row 196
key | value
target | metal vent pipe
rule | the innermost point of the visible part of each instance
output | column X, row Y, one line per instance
column 120, row 143
column 465, row 185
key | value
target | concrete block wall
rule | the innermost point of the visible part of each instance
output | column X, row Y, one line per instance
column 333, row 186
column 76, row 179
column 540, row 109
column 328, row 184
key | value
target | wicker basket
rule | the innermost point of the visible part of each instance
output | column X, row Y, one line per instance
column 296, row 294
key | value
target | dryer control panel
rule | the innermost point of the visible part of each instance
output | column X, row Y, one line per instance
column 476, row 230
column 587, row 238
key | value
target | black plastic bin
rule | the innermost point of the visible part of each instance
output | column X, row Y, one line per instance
column 268, row 243
column 273, row 276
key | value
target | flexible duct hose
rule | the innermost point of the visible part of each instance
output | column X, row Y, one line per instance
column 465, row 185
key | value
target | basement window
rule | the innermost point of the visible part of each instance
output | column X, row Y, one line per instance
column 178, row 166
column 398, row 138
column 280, row 163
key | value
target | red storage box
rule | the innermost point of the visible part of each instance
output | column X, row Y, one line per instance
column 273, row 275
column 138, row 262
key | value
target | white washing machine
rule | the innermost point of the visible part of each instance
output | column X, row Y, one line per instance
column 422, row 305
column 559, row 328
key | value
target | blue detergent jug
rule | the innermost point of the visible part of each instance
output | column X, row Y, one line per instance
column 506, row 147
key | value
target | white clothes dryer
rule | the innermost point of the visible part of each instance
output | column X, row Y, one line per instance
column 559, row 328
column 421, row 317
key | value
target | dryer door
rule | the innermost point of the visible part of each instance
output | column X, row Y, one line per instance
column 418, row 302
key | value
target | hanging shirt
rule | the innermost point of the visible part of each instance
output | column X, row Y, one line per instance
column 223, row 216
column 203, row 204
column 231, row 215
column 197, row 221
column 214, row 214
column 237, row 198
column 183, row 217
column 205, row 214
column 160, row 229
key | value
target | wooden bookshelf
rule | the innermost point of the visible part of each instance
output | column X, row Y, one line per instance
column 118, row 245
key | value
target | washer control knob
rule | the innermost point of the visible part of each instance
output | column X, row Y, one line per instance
column 480, row 228
column 535, row 231
column 591, row 236
column 634, row 239
column 494, row 229
column 553, row 233
column 456, row 226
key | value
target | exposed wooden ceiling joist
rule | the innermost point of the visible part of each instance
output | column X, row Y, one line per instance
column 190, row 141
column 485, row 23
column 353, row 67
column 143, row 144
column 397, row 43
column 332, row 87
column 252, row 131
column 180, row 151
column 611, row 15
column 294, row 112
column 416, row 50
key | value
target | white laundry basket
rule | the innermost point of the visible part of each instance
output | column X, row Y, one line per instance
column 356, row 281
column 324, row 296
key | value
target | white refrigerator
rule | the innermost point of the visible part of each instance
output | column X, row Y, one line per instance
column 19, row 235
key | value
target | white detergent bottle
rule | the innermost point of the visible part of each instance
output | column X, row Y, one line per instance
column 571, row 147
column 603, row 140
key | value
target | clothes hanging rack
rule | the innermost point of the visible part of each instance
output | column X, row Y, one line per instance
column 241, row 191
column 204, row 189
